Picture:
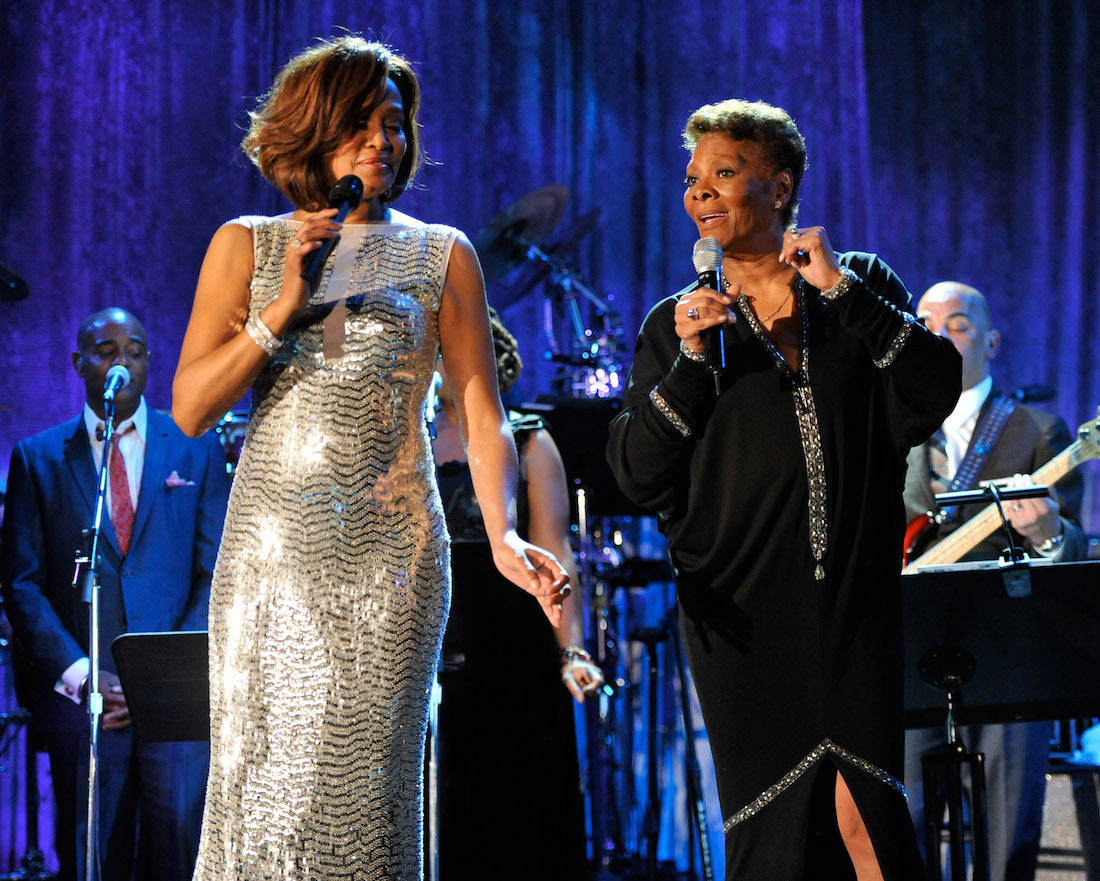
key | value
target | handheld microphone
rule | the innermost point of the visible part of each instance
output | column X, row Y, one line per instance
column 345, row 197
column 707, row 259
column 118, row 377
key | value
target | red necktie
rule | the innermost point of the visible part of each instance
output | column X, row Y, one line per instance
column 122, row 511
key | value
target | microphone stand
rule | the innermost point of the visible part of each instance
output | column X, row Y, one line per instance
column 87, row 577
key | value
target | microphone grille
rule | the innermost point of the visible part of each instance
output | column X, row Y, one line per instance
column 348, row 189
column 707, row 255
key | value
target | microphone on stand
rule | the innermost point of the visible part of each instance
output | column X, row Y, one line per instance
column 345, row 197
column 1034, row 394
column 707, row 258
column 118, row 377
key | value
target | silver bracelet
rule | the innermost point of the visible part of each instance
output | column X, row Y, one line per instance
column 847, row 280
column 261, row 334
column 698, row 357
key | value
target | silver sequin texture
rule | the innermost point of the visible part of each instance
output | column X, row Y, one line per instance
column 806, row 413
column 665, row 409
column 898, row 343
column 816, row 754
column 331, row 586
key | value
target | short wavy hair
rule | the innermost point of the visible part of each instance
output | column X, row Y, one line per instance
column 315, row 104
column 506, row 351
column 769, row 127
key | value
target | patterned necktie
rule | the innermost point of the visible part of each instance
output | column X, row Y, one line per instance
column 939, row 475
column 122, row 511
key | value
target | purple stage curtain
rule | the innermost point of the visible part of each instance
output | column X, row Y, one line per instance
column 956, row 140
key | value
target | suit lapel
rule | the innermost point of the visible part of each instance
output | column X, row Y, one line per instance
column 152, row 471
column 78, row 455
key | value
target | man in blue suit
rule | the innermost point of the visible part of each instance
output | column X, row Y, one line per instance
column 161, row 529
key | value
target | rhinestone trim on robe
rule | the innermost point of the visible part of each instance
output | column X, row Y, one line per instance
column 825, row 747
column 899, row 342
column 665, row 409
column 806, row 413
column 332, row 582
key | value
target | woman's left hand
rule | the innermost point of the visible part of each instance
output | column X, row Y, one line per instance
column 807, row 249
column 582, row 677
column 536, row 571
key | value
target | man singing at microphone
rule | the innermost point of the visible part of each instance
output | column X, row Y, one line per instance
column 166, row 498
column 781, row 499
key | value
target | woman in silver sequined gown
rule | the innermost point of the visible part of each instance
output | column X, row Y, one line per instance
column 331, row 588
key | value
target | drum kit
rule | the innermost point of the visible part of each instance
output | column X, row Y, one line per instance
column 520, row 250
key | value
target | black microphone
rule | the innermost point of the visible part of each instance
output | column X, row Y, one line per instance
column 12, row 287
column 118, row 377
column 707, row 258
column 1034, row 394
column 345, row 197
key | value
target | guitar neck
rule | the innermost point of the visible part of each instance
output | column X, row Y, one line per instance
column 978, row 528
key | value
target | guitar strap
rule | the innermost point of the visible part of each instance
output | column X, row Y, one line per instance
column 981, row 445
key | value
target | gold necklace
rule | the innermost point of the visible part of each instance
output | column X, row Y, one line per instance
column 772, row 315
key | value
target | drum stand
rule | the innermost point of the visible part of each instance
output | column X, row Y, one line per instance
column 669, row 631
column 33, row 865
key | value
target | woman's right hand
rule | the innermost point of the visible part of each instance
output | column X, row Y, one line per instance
column 316, row 227
column 700, row 310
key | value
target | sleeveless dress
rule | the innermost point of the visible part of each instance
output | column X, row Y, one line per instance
column 507, row 745
column 331, row 588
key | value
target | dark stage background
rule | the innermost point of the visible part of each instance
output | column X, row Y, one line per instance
column 956, row 140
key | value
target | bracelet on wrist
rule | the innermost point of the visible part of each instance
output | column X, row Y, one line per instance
column 261, row 334
column 847, row 281
column 572, row 654
column 690, row 355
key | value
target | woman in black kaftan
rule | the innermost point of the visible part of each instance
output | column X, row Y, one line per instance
column 781, row 500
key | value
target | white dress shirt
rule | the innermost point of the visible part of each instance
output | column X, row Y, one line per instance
column 132, row 446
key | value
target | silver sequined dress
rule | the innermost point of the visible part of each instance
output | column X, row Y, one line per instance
column 331, row 588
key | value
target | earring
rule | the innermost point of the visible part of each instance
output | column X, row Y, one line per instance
column 778, row 203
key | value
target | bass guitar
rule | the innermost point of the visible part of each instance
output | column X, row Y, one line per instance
column 977, row 529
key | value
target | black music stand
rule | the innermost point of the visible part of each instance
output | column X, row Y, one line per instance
column 166, row 681
column 1030, row 657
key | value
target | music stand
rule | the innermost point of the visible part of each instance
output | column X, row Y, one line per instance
column 1030, row 657
column 166, row 681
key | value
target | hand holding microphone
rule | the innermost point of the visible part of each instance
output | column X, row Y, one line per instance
column 702, row 315
column 345, row 197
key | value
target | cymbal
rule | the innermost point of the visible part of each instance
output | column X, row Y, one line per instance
column 536, row 271
column 531, row 217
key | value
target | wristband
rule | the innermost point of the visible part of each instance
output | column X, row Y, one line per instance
column 847, row 281
column 261, row 334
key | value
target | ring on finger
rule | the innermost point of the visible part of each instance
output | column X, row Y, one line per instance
column 295, row 243
column 693, row 313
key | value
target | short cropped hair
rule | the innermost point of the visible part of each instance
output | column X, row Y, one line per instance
column 771, row 128
column 315, row 104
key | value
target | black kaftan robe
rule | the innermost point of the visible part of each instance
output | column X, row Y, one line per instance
column 797, row 660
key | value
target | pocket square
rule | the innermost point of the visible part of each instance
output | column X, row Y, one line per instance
column 174, row 479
